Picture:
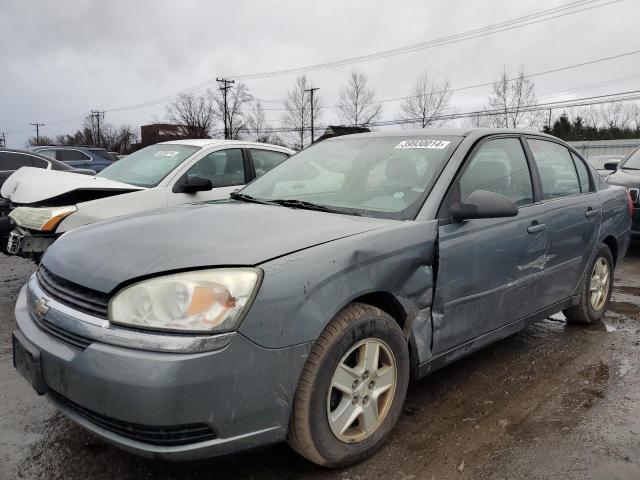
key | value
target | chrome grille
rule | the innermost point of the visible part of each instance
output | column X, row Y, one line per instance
column 73, row 295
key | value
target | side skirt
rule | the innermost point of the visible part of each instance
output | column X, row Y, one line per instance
column 482, row 341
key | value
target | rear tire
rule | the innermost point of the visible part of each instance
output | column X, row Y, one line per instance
column 596, row 289
column 352, row 388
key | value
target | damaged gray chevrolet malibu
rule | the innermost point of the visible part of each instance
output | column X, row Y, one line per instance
column 300, row 308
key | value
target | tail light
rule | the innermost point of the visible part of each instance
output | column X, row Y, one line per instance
column 629, row 202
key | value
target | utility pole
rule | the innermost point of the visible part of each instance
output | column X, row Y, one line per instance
column 97, row 114
column 37, row 125
column 549, row 121
column 226, row 85
column 311, row 90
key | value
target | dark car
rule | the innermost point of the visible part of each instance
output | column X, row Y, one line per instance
column 599, row 162
column 79, row 156
column 300, row 308
column 627, row 174
column 10, row 161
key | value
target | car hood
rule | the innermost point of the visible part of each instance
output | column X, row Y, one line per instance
column 107, row 254
column 29, row 185
column 625, row 178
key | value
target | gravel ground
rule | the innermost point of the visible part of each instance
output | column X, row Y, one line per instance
column 553, row 401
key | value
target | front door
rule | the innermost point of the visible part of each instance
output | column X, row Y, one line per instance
column 488, row 268
column 226, row 170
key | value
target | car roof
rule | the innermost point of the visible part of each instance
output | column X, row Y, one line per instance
column 434, row 132
column 207, row 142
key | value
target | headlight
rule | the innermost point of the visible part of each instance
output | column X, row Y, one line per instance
column 44, row 219
column 199, row 301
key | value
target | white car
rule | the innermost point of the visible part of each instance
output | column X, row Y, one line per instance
column 47, row 203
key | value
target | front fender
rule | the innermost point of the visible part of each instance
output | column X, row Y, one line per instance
column 303, row 291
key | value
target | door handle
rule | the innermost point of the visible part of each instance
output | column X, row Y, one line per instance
column 537, row 227
column 590, row 212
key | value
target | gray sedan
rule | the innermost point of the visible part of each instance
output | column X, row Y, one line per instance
column 300, row 308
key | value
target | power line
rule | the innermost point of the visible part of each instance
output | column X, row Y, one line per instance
column 311, row 92
column 226, row 86
column 37, row 125
column 97, row 114
column 519, row 22
column 531, row 19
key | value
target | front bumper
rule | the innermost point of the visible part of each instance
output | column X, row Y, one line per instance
column 242, row 392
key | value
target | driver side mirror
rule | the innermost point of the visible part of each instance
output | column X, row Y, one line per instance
column 483, row 204
column 612, row 165
column 192, row 185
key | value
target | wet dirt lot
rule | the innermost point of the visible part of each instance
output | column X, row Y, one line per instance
column 554, row 401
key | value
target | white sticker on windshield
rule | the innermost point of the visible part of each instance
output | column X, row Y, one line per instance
column 166, row 153
column 439, row 144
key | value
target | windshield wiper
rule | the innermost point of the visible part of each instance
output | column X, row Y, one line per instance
column 243, row 197
column 304, row 205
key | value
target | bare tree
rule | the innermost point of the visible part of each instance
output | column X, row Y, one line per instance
column 428, row 100
column 42, row 140
column 257, row 126
column 358, row 106
column 297, row 116
column 615, row 115
column 194, row 114
column 238, row 97
column 118, row 139
column 509, row 100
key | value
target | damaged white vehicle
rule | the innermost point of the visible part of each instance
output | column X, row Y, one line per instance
column 45, row 204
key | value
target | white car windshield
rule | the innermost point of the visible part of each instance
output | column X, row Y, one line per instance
column 149, row 166
column 386, row 177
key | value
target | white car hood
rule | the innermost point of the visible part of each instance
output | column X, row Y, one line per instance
column 30, row 185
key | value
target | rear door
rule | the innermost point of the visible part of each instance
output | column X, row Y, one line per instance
column 488, row 269
column 227, row 170
column 572, row 215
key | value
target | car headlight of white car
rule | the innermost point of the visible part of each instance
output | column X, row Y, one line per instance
column 44, row 219
column 198, row 301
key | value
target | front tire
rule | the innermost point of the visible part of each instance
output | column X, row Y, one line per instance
column 352, row 388
column 596, row 289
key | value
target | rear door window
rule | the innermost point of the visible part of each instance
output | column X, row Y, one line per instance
column 49, row 152
column 557, row 171
column 499, row 166
column 225, row 168
column 265, row 160
column 583, row 174
column 72, row 155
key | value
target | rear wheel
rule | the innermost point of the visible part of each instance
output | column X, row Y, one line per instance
column 352, row 388
column 596, row 289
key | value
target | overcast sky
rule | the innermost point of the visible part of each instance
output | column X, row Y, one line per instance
column 62, row 58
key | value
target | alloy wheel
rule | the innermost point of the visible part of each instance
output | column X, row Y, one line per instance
column 600, row 282
column 362, row 390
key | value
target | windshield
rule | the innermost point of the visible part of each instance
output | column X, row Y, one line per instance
column 633, row 161
column 147, row 167
column 387, row 177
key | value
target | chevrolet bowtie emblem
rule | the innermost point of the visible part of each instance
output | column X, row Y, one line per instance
column 40, row 308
